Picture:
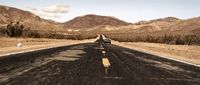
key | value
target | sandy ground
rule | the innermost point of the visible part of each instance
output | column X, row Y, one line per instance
column 185, row 53
column 8, row 45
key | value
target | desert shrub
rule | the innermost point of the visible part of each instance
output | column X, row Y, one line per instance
column 87, row 35
column 177, row 38
column 53, row 35
column 2, row 31
column 14, row 30
column 18, row 30
column 31, row 33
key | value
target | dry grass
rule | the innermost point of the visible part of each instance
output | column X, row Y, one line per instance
column 187, row 53
column 173, row 37
column 8, row 45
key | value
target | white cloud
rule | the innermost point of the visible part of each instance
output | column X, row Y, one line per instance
column 58, row 8
column 54, row 12
column 43, row 14
column 32, row 9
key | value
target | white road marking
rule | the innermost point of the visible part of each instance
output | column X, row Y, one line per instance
column 107, row 77
column 100, row 48
column 103, row 52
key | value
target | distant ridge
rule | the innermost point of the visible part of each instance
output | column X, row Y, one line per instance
column 89, row 21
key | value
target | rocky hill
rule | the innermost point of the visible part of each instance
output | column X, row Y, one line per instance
column 10, row 14
column 96, row 23
column 89, row 21
column 191, row 24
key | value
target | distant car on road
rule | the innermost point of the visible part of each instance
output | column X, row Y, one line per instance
column 107, row 41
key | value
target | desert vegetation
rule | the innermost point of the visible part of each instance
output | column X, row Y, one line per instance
column 175, row 37
column 18, row 30
column 57, row 35
column 14, row 30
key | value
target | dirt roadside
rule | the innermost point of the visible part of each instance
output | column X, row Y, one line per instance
column 8, row 45
column 190, row 54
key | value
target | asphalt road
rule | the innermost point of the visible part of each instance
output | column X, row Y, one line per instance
column 82, row 65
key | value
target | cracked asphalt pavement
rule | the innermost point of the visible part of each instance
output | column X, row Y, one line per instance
column 81, row 64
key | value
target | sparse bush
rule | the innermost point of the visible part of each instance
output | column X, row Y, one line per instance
column 33, row 34
column 14, row 30
column 177, row 38
column 18, row 30
column 2, row 31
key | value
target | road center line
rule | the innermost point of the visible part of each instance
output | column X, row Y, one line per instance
column 106, row 62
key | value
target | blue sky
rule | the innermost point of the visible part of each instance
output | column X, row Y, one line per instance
column 127, row 10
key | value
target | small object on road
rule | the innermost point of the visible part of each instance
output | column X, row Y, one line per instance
column 103, row 52
column 19, row 44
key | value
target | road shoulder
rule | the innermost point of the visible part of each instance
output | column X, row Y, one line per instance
column 8, row 45
column 188, row 54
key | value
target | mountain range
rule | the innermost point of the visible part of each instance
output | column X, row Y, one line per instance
column 96, row 23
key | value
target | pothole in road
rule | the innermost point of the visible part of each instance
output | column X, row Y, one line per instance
column 69, row 55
